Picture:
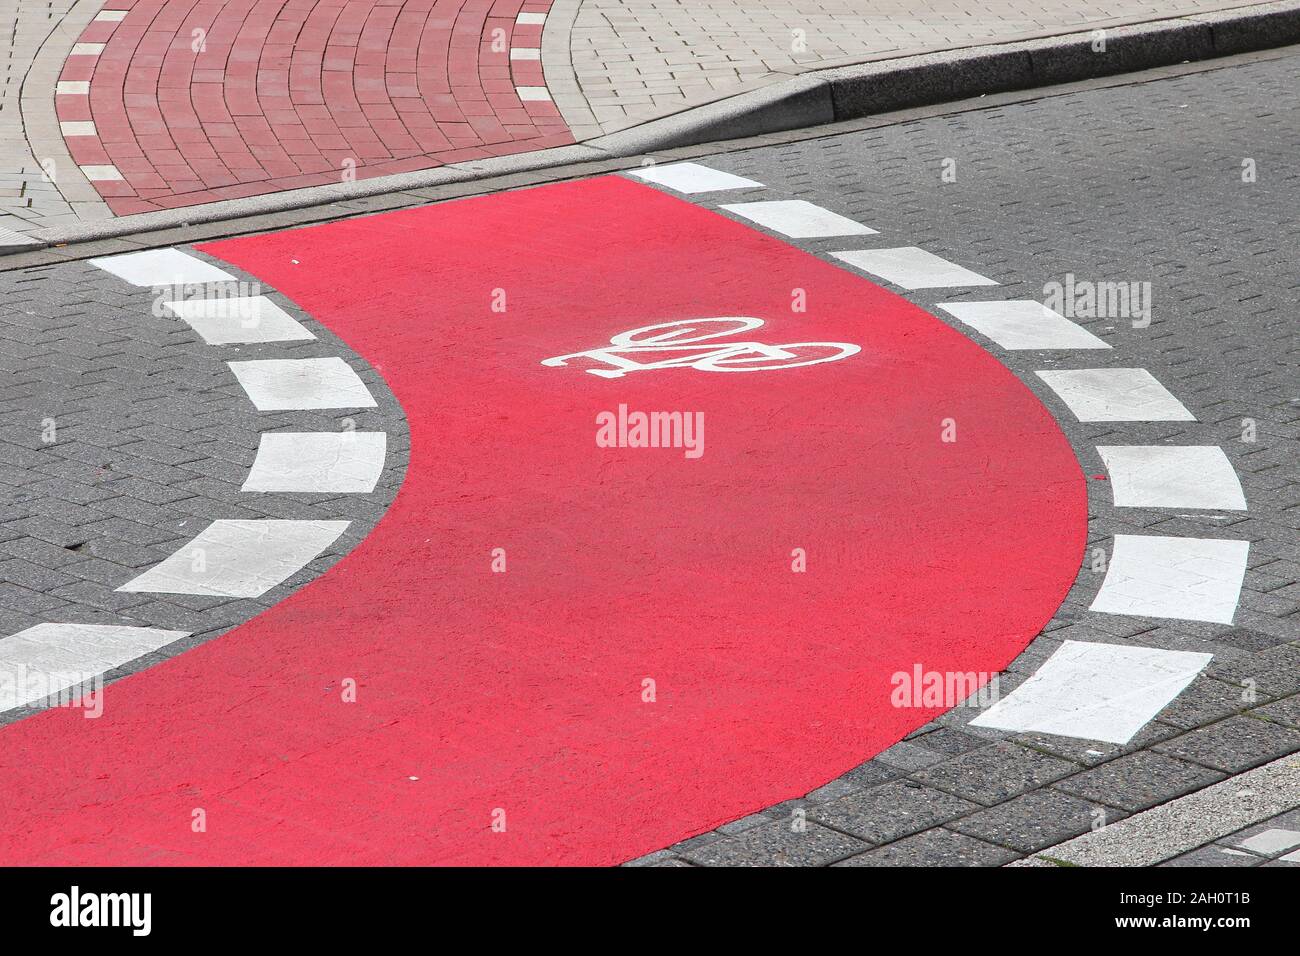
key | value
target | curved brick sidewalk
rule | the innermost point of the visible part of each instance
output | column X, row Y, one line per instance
column 114, row 107
column 168, row 103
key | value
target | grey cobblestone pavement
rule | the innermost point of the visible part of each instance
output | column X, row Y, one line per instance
column 623, row 62
column 122, row 435
column 1143, row 183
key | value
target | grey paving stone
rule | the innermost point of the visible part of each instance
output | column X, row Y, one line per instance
column 946, row 740
column 1137, row 781
column 1234, row 745
column 907, row 756
column 1275, row 670
column 1205, row 701
column 1035, row 820
column 934, row 847
column 1285, row 711
column 890, row 811
column 995, row 773
column 777, row 844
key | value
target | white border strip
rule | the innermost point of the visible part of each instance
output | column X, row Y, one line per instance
column 239, row 558
column 348, row 462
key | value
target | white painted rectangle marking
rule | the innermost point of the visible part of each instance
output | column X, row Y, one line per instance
column 1096, row 691
column 239, row 558
column 348, row 462
column 107, row 173
column 799, row 219
column 1272, row 841
column 226, row 320
column 1188, row 579
column 111, row 16
column 530, row 18
column 912, row 268
column 72, row 87
column 533, row 94
column 76, row 128
column 525, row 53
column 279, row 384
column 1115, row 395
column 1023, row 324
column 160, row 267
column 47, row 659
column 692, row 178
column 87, row 49
column 1172, row 476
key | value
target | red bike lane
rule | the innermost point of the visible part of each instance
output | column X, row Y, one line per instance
column 519, row 696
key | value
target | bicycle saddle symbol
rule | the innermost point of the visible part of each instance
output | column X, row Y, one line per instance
column 639, row 350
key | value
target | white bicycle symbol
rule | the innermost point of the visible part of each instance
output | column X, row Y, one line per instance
column 624, row 348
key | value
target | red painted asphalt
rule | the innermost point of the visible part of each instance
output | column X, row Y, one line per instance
column 282, row 96
column 523, row 691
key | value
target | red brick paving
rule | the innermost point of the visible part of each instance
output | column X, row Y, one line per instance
column 201, row 100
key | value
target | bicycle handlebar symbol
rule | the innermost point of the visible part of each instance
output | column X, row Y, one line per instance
column 623, row 353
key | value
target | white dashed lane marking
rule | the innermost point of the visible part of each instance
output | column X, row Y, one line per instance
column 693, row 178
column 1190, row 579
column 799, row 219
column 158, row 267
column 238, row 320
column 1115, row 395
column 346, row 462
column 1095, row 691
column 1023, row 324
column 239, row 558
column 912, row 268
column 1172, row 476
column 284, row 384
column 51, row 658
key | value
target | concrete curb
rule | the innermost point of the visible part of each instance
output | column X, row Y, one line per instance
column 809, row 99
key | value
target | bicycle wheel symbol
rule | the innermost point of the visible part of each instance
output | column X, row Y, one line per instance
column 673, row 345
